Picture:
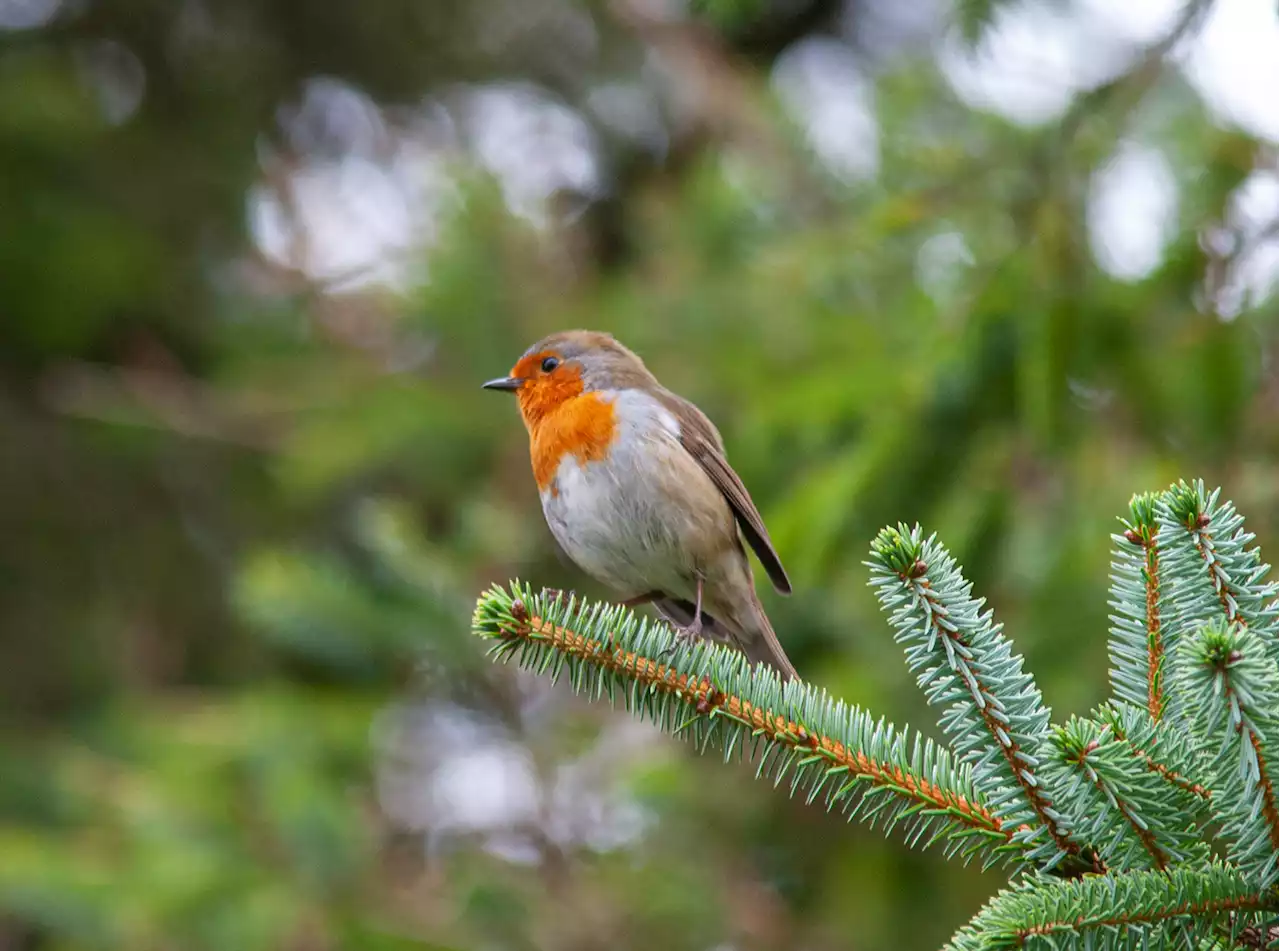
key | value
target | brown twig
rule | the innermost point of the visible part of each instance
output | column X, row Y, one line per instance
column 1269, row 809
column 705, row 700
column 1217, row 575
column 1144, row 834
column 1146, row 539
column 1174, row 777
column 1270, row 812
column 1155, row 637
column 1019, row 769
column 1209, row 907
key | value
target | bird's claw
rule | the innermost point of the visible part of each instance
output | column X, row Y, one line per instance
column 686, row 636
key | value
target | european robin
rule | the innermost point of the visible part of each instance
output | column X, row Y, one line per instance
column 636, row 488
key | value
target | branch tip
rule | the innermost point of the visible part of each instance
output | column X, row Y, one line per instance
column 1021, row 771
column 704, row 701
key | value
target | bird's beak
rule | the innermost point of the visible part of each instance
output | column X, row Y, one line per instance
column 508, row 383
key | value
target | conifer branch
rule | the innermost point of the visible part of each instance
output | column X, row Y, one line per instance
column 1162, row 750
column 1217, row 574
column 1121, row 910
column 867, row 769
column 1120, row 804
column 1234, row 694
column 994, row 715
column 1124, row 808
column 1139, row 643
column 1097, row 785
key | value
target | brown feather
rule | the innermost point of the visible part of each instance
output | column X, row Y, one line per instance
column 701, row 438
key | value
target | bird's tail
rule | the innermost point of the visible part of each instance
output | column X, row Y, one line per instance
column 749, row 631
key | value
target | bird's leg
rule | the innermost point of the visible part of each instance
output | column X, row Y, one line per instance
column 687, row 634
column 691, row 632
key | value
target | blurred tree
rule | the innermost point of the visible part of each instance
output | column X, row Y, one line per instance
column 255, row 258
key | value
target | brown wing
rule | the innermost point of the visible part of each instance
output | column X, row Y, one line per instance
column 703, row 442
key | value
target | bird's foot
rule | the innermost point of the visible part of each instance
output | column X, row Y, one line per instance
column 686, row 636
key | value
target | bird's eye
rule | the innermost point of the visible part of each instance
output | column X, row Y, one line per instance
column 549, row 364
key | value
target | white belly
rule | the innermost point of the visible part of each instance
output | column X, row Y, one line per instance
column 646, row 518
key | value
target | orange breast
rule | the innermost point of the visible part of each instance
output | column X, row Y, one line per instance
column 584, row 426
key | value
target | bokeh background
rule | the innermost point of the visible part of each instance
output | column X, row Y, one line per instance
column 988, row 265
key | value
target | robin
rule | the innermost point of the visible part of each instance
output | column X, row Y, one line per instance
column 636, row 488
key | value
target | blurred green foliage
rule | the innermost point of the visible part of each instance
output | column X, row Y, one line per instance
column 245, row 513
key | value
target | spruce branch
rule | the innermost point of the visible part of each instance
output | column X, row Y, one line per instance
column 1084, row 745
column 1127, row 811
column 1215, row 574
column 1145, row 909
column 1165, row 751
column 1233, row 691
column 1120, row 804
column 993, row 711
column 860, row 765
column 1140, row 643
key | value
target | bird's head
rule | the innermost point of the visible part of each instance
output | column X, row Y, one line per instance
column 565, row 365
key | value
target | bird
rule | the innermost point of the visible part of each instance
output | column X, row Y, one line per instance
column 638, row 492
